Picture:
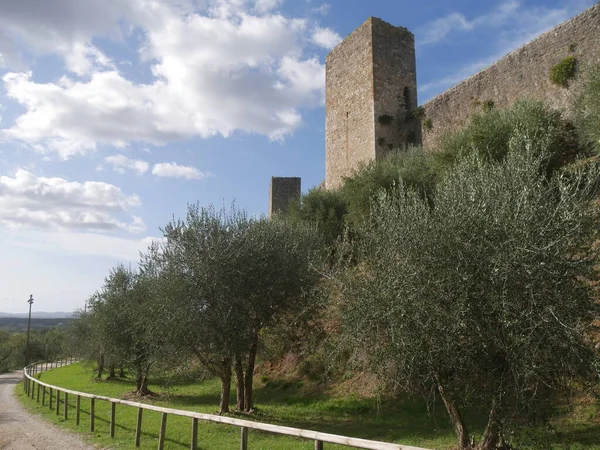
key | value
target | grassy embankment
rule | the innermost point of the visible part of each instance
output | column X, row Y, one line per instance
column 289, row 404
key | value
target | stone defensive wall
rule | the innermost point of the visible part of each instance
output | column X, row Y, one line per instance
column 524, row 73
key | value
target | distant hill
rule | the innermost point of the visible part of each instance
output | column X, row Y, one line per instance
column 19, row 324
column 38, row 315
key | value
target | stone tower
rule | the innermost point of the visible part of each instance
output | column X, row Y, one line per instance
column 281, row 192
column 371, row 89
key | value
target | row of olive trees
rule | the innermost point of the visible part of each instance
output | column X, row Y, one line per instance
column 207, row 290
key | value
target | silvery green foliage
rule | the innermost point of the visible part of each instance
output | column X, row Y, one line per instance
column 226, row 276
column 588, row 109
column 490, row 134
column 483, row 290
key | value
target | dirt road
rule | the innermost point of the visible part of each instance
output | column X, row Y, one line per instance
column 20, row 430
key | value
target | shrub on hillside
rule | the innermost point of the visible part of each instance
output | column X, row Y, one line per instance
column 489, row 135
column 324, row 207
column 587, row 109
column 412, row 166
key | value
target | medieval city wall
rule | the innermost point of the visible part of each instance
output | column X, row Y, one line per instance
column 524, row 73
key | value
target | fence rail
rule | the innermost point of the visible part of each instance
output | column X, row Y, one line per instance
column 33, row 386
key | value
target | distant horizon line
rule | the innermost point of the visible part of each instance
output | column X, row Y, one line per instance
column 44, row 314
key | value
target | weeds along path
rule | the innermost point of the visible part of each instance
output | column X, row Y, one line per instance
column 20, row 430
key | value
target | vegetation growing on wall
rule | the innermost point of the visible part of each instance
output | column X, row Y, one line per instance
column 563, row 72
column 427, row 124
column 418, row 113
column 488, row 105
column 385, row 119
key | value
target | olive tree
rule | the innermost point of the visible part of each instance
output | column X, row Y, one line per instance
column 110, row 320
column 276, row 276
column 480, row 296
column 226, row 277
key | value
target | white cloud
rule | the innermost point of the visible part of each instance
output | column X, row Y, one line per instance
column 459, row 75
column 440, row 28
column 264, row 6
column 322, row 9
column 174, row 170
column 79, row 243
column 121, row 163
column 66, row 27
column 326, row 38
column 231, row 66
column 306, row 78
column 55, row 203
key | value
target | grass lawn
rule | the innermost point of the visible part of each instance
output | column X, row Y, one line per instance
column 285, row 404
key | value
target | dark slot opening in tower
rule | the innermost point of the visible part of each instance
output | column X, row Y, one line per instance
column 407, row 98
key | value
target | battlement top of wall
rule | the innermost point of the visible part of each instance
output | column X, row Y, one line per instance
column 285, row 178
column 374, row 23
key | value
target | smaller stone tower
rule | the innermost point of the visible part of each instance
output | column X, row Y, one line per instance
column 371, row 90
column 281, row 192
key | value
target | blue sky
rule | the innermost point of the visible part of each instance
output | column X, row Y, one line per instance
column 115, row 114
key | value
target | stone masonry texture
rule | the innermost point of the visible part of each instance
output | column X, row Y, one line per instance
column 371, row 76
column 281, row 192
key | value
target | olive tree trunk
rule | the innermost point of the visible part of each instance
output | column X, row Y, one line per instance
column 456, row 418
column 100, row 369
column 240, row 388
column 491, row 435
column 249, row 375
column 225, row 376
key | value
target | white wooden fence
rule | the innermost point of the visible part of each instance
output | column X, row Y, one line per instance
column 38, row 390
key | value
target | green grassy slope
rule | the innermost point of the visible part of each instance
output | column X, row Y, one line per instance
column 404, row 422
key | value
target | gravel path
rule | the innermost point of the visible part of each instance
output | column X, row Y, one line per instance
column 20, row 430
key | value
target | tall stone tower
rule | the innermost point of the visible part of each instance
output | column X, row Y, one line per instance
column 282, row 191
column 371, row 89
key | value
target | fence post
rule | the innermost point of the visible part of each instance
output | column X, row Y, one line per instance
column 33, row 383
column 57, row 402
column 163, row 430
column 77, row 409
column 138, row 427
column 194, row 434
column 37, row 400
column 92, row 414
column 318, row 445
column 113, row 413
column 50, row 399
column 66, row 411
column 43, row 395
column 244, row 439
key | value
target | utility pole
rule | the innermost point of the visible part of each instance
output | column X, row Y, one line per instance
column 30, row 301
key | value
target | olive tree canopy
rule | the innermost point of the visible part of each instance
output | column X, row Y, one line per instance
column 481, row 296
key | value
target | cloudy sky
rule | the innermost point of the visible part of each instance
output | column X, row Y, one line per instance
column 115, row 114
